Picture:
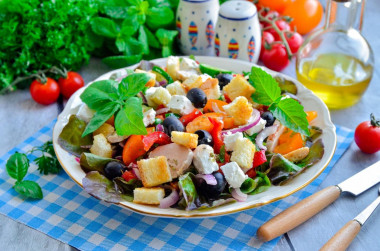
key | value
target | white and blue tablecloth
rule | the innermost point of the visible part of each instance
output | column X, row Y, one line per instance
column 69, row 214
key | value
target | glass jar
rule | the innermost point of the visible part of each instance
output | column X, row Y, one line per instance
column 336, row 62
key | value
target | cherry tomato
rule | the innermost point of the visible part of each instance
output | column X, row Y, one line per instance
column 278, row 5
column 276, row 58
column 306, row 15
column 70, row 84
column 271, row 14
column 265, row 38
column 128, row 175
column 294, row 40
column 282, row 26
column 44, row 93
column 367, row 136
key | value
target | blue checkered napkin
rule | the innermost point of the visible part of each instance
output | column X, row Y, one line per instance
column 69, row 214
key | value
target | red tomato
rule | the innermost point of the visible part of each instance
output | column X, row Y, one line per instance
column 276, row 58
column 278, row 5
column 294, row 40
column 128, row 175
column 259, row 158
column 251, row 173
column 306, row 15
column 44, row 93
column 367, row 135
column 268, row 38
column 186, row 119
column 70, row 84
column 282, row 26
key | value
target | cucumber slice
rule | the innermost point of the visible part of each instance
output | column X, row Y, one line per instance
column 212, row 71
column 163, row 73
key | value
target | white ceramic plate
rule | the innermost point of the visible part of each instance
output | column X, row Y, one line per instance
column 274, row 193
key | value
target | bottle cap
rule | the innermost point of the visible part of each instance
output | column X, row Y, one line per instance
column 237, row 10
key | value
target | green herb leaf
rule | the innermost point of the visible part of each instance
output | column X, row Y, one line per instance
column 166, row 38
column 17, row 166
column 291, row 114
column 118, row 12
column 143, row 40
column 189, row 191
column 222, row 154
column 133, row 84
column 159, row 17
column 159, row 70
column 129, row 45
column 98, row 93
column 121, row 61
column 267, row 89
column 104, row 27
column 129, row 120
column 29, row 189
column 91, row 162
column 152, row 40
column 101, row 116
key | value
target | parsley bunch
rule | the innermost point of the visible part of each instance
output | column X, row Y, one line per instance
column 47, row 162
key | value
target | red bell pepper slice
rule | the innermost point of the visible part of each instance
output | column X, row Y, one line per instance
column 186, row 119
column 128, row 175
column 251, row 173
column 216, row 133
column 259, row 158
column 160, row 138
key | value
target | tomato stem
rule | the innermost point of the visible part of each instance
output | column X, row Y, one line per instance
column 374, row 121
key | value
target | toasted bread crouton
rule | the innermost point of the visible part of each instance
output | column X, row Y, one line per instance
column 176, row 88
column 297, row 155
column 243, row 154
column 239, row 86
column 211, row 88
column 189, row 140
column 101, row 147
column 172, row 66
column 157, row 96
column 240, row 110
column 105, row 129
column 151, row 196
column 152, row 80
column 195, row 81
column 154, row 171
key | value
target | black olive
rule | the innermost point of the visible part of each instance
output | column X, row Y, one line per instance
column 224, row 79
column 268, row 116
column 197, row 97
column 172, row 123
column 113, row 169
column 213, row 191
column 204, row 137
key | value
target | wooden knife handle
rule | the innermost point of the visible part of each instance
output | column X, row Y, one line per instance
column 298, row 213
column 343, row 238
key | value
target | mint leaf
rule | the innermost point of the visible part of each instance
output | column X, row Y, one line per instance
column 104, row 27
column 29, row 189
column 143, row 40
column 159, row 17
column 267, row 89
column 129, row 120
column 98, row 93
column 151, row 38
column 116, row 62
column 17, row 166
column 291, row 114
column 101, row 116
column 133, row 84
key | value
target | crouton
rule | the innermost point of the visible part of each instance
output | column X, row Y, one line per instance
column 176, row 88
column 152, row 80
column 151, row 196
column 297, row 155
column 172, row 67
column 189, row 140
column 240, row 110
column 243, row 154
column 157, row 96
column 211, row 88
column 154, row 171
column 101, row 147
column 105, row 129
column 239, row 86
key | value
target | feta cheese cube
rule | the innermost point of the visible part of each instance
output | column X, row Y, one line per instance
column 230, row 140
column 149, row 117
column 257, row 128
column 204, row 159
column 233, row 174
column 180, row 104
column 157, row 96
column 85, row 113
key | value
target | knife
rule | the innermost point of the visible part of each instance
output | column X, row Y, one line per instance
column 307, row 208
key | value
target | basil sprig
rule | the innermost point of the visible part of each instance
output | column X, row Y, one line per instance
column 108, row 98
column 288, row 111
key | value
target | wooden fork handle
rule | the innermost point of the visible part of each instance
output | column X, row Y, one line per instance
column 343, row 238
column 298, row 213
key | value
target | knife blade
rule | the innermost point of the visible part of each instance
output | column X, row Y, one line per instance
column 307, row 208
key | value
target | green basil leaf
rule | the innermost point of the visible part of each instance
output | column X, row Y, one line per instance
column 129, row 27
column 99, row 93
column 91, row 162
column 104, row 26
column 95, row 41
column 159, row 3
column 134, row 2
column 117, row 12
column 101, row 116
column 267, row 89
column 71, row 139
column 121, row 61
column 129, row 45
column 17, row 166
column 144, row 40
column 159, row 17
column 152, row 40
column 166, row 37
column 291, row 114
column 129, row 120
column 133, row 84
column 166, row 51
column 29, row 189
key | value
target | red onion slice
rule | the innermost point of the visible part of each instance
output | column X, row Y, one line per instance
column 209, row 178
column 77, row 159
column 264, row 134
column 145, row 101
column 170, row 200
column 216, row 108
column 238, row 194
column 162, row 110
column 159, row 128
column 136, row 171
column 255, row 118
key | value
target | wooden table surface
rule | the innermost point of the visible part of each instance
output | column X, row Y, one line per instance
column 21, row 117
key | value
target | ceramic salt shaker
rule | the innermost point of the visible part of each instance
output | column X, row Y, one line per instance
column 195, row 23
column 237, row 32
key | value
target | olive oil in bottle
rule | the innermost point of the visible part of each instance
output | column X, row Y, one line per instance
column 339, row 80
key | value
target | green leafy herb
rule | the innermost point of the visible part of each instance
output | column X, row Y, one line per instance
column 222, row 154
column 163, row 73
column 29, row 189
column 189, row 192
column 47, row 162
column 91, row 162
column 288, row 111
column 282, row 169
column 120, row 102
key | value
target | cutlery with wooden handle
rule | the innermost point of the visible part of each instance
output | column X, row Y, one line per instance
column 307, row 208
column 343, row 238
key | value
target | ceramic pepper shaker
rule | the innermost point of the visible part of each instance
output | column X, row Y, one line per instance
column 195, row 23
column 237, row 33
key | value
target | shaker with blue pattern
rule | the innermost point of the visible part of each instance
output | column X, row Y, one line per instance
column 237, row 32
column 195, row 22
